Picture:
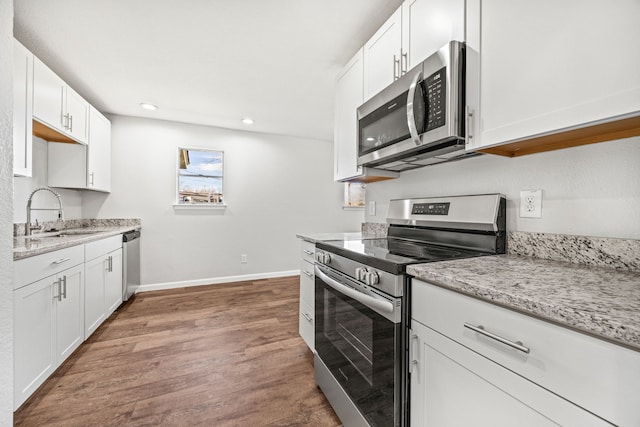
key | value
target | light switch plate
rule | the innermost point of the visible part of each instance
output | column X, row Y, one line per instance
column 531, row 204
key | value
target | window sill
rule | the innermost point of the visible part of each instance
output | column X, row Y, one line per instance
column 200, row 206
column 353, row 208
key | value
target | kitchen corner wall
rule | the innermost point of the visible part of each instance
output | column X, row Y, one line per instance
column 274, row 187
column 593, row 190
column 6, row 213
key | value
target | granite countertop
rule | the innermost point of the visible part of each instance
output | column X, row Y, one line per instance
column 323, row 237
column 599, row 301
column 40, row 243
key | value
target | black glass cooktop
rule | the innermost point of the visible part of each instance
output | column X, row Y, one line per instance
column 393, row 255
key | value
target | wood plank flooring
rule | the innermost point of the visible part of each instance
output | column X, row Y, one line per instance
column 219, row 355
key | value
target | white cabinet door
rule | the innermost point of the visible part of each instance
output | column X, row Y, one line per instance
column 383, row 56
column 34, row 335
column 537, row 68
column 454, row 386
column 427, row 25
column 94, row 296
column 22, row 109
column 113, row 282
column 48, row 96
column 99, row 152
column 69, row 312
column 77, row 110
column 349, row 96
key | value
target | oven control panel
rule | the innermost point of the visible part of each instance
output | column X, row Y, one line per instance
column 430, row 208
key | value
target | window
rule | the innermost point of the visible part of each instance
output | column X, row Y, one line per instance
column 199, row 177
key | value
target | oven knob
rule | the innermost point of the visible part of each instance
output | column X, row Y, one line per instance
column 371, row 278
column 323, row 258
column 360, row 273
column 319, row 257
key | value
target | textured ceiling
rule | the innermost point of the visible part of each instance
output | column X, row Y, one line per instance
column 209, row 62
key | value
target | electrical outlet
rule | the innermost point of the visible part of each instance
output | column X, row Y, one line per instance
column 531, row 204
column 372, row 208
column 243, row 259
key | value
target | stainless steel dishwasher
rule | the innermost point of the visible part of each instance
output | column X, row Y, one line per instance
column 131, row 267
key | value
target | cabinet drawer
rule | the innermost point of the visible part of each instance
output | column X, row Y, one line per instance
column 307, row 324
column 307, row 250
column 592, row 373
column 103, row 246
column 307, row 282
column 28, row 270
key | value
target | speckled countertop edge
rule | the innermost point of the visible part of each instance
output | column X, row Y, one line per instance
column 601, row 302
column 24, row 247
column 324, row 237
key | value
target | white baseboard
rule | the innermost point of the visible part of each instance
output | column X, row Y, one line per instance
column 215, row 280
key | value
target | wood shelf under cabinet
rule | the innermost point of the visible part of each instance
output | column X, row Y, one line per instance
column 609, row 131
column 48, row 134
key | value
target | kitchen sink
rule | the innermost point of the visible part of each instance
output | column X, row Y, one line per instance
column 64, row 233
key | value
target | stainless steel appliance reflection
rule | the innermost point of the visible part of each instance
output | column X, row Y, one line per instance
column 362, row 298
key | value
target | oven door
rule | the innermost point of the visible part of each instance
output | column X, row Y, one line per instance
column 358, row 336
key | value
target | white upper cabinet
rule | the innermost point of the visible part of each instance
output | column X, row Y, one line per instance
column 85, row 167
column 544, row 67
column 99, row 152
column 416, row 30
column 58, row 107
column 427, row 25
column 22, row 109
column 383, row 56
column 348, row 99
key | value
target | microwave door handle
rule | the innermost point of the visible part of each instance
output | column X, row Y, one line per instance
column 371, row 302
column 411, row 120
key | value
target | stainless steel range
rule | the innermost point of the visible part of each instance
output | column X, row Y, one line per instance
column 362, row 299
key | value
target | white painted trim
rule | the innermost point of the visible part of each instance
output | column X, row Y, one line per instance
column 215, row 280
column 353, row 208
column 203, row 206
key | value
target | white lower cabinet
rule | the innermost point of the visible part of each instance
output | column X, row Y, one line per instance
column 461, row 376
column 103, row 284
column 307, row 293
column 48, row 327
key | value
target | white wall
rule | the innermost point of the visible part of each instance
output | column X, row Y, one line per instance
column 6, row 213
column 593, row 190
column 23, row 186
column 274, row 186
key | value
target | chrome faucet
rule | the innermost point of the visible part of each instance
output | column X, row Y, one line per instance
column 28, row 228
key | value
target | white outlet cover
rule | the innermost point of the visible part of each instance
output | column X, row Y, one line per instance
column 531, row 204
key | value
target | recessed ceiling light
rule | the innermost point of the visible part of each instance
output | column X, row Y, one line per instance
column 247, row 121
column 148, row 106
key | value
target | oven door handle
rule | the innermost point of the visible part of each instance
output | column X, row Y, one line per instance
column 371, row 302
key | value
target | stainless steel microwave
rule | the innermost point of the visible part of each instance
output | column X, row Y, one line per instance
column 418, row 120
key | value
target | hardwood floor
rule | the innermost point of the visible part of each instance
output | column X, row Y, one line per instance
column 219, row 355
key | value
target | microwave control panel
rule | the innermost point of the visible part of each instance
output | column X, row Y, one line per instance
column 435, row 87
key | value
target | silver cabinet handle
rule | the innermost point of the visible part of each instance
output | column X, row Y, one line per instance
column 70, row 123
column 411, row 120
column 306, row 316
column 61, row 260
column 110, row 259
column 91, row 179
column 59, row 296
column 308, row 274
column 514, row 344
column 65, row 121
column 308, row 252
column 64, row 287
column 405, row 62
column 413, row 349
column 396, row 68
column 469, row 124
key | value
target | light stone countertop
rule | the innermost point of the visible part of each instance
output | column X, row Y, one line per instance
column 603, row 302
column 24, row 247
column 324, row 237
